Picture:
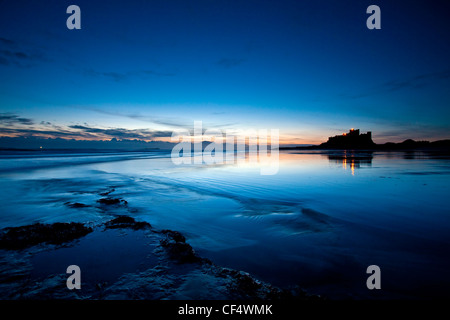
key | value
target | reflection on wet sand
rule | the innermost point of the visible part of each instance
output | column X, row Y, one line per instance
column 351, row 160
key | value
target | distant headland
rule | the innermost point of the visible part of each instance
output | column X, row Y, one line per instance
column 354, row 140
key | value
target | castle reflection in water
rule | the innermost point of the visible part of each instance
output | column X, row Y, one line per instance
column 351, row 160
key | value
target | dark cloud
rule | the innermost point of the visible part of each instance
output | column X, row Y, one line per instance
column 162, row 134
column 18, row 58
column 166, row 122
column 156, row 73
column 40, row 133
column 117, row 76
column 4, row 61
column 12, row 119
column 15, row 54
column 416, row 82
column 10, row 55
column 6, row 41
column 121, row 133
column 89, row 133
column 111, row 75
column 170, row 122
column 229, row 63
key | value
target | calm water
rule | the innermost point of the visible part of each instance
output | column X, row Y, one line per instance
column 318, row 223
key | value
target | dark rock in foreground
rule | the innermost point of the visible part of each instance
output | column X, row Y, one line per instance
column 111, row 201
column 179, row 273
column 126, row 222
column 177, row 248
column 27, row 236
column 174, row 235
column 106, row 193
column 76, row 205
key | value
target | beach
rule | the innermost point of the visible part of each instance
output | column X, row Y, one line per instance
column 311, row 230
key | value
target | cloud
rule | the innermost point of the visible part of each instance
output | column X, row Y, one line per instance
column 4, row 61
column 416, row 82
column 15, row 54
column 121, row 133
column 6, row 41
column 11, row 124
column 10, row 55
column 117, row 76
column 18, row 58
column 12, row 119
column 76, row 131
column 156, row 73
column 169, row 122
column 134, row 116
column 112, row 75
column 39, row 133
column 229, row 63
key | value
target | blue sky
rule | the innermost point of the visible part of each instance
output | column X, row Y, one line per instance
column 141, row 69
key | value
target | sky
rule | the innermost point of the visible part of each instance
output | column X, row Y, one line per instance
column 142, row 69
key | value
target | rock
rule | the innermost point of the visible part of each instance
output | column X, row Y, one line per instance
column 174, row 235
column 175, row 271
column 177, row 248
column 126, row 222
column 76, row 205
column 172, row 281
column 111, row 201
column 104, row 194
column 17, row 238
column 101, row 285
column 243, row 286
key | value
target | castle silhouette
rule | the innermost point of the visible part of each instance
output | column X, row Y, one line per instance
column 352, row 139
